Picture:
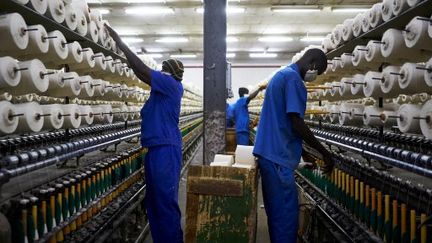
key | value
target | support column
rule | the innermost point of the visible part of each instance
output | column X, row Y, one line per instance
column 215, row 30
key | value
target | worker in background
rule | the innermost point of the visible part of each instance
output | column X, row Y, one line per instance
column 161, row 135
column 241, row 114
column 278, row 144
column 229, row 115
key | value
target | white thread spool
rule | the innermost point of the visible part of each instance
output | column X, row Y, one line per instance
column 373, row 53
column 406, row 121
column 99, row 59
column 359, row 57
column 110, row 67
column 5, row 96
column 96, row 16
column 375, row 15
column 22, row 2
column 357, row 85
column 75, row 54
column 393, row 47
column 56, row 11
column 428, row 73
column 372, row 88
column 99, row 86
column 55, row 120
column 357, row 25
column 88, row 112
column 411, row 79
column 71, row 88
column 58, row 48
column 87, row 63
column 346, row 61
column 32, row 119
column 8, row 118
column 82, row 7
column 82, row 27
column 14, row 33
column 71, row 17
column 38, row 43
column 34, row 78
column 9, row 74
column 365, row 22
column 39, row 6
column 390, row 84
column 416, row 34
column 72, row 116
column 399, row 6
column 87, row 88
column 387, row 10
column 120, row 113
column 336, row 36
column 103, row 114
column 93, row 32
column 244, row 155
column 426, row 121
column 372, row 116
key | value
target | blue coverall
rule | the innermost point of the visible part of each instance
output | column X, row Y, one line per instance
column 278, row 148
column 241, row 117
column 161, row 135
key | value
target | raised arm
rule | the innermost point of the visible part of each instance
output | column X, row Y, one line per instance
column 255, row 93
column 142, row 71
column 303, row 130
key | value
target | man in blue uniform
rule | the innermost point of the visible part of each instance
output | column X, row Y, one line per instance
column 241, row 115
column 161, row 135
column 278, row 144
column 229, row 115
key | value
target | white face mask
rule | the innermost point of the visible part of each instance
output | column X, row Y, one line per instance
column 310, row 75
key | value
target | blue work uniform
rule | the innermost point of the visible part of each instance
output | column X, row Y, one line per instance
column 229, row 115
column 241, row 117
column 278, row 148
column 161, row 135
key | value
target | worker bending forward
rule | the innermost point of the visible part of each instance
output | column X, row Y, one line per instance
column 278, row 144
column 161, row 135
column 241, row 114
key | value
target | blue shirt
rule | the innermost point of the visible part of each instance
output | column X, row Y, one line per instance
column 160, row 114
column 229, row 115
column 276, row 140
column 241, row 115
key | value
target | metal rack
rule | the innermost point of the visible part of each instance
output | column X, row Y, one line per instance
column 399, row 22
column 33, row 17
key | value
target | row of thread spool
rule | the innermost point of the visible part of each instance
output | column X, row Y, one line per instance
column 376, row 208
column 57, row 209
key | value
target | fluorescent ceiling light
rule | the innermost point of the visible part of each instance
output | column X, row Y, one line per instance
column 230, row 55
column 149, row 10
column 102, row 10
column 349, row 10
column 312, row 38
column 275, row 39
column 262, row 55
column 183, row 56
column 172, row 40
column 295, row 9
column 154, row 50
column 132, row 39
column 155, row 55
column 231, row 39
column 230, row 10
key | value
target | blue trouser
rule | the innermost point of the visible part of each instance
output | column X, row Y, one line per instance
column 280, row 201
column 162, row 172
column 242, row 138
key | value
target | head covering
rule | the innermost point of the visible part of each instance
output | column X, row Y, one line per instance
column 175, row 67
column 243, row 91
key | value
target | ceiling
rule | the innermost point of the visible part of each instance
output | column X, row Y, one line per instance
column 257, row 20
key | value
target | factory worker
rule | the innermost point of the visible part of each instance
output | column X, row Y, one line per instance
column 229, row 115
column 241, row 114
column 278, row 144
column 161, row 135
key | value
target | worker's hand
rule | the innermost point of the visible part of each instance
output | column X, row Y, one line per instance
column 327, row 168
column 263, row 86
column 112, row 33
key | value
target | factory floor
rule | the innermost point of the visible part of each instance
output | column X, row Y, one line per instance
column 262, row 230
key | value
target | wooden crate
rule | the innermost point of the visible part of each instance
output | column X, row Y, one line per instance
column 231, row 141
column 221, row 204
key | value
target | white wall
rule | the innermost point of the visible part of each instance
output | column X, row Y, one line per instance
column 242, row 76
